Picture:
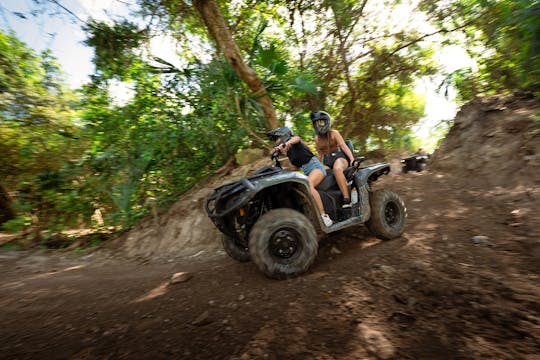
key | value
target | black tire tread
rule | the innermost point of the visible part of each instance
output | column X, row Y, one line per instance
column 377, row 223
column 233, row 250
column 265, row 226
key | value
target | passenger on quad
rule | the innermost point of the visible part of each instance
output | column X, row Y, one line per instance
column 301, row 157
column 332, row 151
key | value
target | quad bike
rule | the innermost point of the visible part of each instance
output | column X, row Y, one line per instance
column 272, row 219
column 414, row 163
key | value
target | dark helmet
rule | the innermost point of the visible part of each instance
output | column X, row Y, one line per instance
column 321, row 122
column 282, row 132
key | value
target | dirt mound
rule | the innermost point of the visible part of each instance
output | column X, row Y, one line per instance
column 494, row 142
column 185, row 229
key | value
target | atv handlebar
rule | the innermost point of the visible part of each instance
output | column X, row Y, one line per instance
column 357, row 161
column 355, row 164
column 275, row 157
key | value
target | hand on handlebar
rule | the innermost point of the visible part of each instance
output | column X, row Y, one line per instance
column 357, row 161
column 282, row 148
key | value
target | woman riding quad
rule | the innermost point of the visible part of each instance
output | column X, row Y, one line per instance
column 332, row 150
column 301, row 157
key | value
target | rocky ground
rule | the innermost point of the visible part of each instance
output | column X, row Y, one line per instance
column 461, row 283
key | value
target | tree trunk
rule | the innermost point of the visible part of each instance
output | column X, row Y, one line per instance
column 6, row 212
column 216, row 25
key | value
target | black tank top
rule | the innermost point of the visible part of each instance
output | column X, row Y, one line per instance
column 299, row 154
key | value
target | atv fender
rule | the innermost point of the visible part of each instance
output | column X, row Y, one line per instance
column 242, row 191
column 363, row 179
column 303, row 190
column 370, row 173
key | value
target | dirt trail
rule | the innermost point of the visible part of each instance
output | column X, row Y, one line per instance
column 461, row 283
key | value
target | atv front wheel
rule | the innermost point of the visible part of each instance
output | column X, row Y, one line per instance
column 283, row 243
column 388, row 214
column 234, row 248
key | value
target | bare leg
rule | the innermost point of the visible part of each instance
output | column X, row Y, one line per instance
column 315, row 177
column 339, row 166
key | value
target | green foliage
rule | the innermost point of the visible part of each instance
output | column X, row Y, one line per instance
column 19, row 223
column 114, row 46
column 171, row 134
column 504, row 37
column 37, row 130
column 34, row 106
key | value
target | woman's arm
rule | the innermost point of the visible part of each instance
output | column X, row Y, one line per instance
column 343, row 146
column 295, row 139
column 319, row 152
column 284, row 148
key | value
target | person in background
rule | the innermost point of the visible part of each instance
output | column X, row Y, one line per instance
column 301, row 157
column 333, row 152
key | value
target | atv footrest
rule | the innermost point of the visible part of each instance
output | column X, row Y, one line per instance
column 343, row 224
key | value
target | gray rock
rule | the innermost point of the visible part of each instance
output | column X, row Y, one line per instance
column 202, row 319
column 481, row 240
column 335, row 250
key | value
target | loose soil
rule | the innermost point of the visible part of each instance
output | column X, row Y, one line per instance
column 461, row 283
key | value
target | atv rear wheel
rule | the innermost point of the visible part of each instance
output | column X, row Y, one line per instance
column 388, row 214
column 283, row 243
column 234, row 248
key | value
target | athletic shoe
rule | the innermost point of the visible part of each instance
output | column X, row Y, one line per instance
column 326, row 220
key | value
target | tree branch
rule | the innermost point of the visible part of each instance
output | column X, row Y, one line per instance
column 421, row 38
column 71, row 13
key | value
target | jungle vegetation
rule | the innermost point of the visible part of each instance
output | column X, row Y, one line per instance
column 246, row 66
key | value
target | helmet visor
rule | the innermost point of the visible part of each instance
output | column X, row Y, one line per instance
column 320, row 122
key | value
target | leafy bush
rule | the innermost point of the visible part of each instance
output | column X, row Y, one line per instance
column 19, row 223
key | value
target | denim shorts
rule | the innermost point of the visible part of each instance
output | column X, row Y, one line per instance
column 313, row 164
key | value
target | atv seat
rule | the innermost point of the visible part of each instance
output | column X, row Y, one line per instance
column 329, row 182
column 329, row 190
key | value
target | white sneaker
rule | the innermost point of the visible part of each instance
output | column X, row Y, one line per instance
column 326, row 220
